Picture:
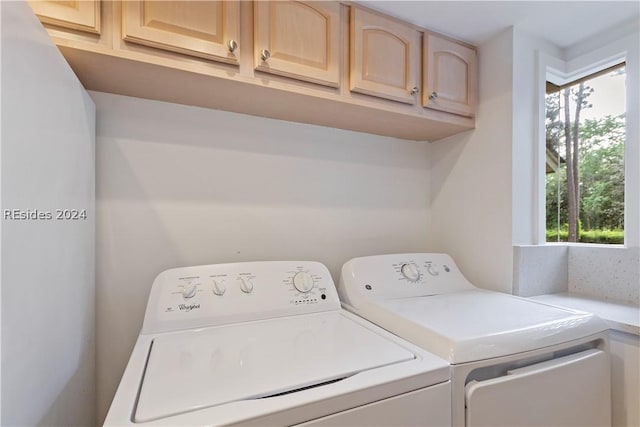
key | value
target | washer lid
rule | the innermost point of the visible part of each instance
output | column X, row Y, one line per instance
column 477, row 324
column 208, row 367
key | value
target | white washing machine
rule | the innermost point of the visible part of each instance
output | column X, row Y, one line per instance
column 515, row 362
column 267, row 343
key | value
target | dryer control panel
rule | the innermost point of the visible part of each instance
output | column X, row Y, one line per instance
column 209, row 295
column 400, row 276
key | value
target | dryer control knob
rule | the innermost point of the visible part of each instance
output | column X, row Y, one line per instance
column 189, row 290
column 219, row 288
column 410, row 272
column 433, row 270
column 245, row 285
column 303, row 282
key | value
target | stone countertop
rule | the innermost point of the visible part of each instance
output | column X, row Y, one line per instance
column 620, row 316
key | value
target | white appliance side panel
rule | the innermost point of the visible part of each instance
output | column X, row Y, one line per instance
column 574, row 390
column 48, row 275
column 427, row 407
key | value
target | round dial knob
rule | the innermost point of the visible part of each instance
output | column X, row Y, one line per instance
column 433, row 270
column 189, row 290
column 245, row 285
column 218, row 288
column 410, row 272
column 302, row 282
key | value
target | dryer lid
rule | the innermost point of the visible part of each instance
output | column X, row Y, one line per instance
column 477, row 324
column 192, row 370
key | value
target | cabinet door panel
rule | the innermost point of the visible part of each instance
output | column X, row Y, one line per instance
column 197, row 28
column 450, row 76
column 384, row 56
column 83, row 15
column 303, row 40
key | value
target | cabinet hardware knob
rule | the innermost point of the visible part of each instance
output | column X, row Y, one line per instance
column 433, row 95
column 265, row 54
column 232, row 45
column 415, row 91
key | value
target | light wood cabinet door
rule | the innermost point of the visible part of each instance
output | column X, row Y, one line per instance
column 450, row 76
column 385, row 57
column 299, row 40
column 82, row 15
column 206, row 29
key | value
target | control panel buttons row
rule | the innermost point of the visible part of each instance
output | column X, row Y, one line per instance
column 302, row 281
column 209, row 295
column 411, row 272
column 218, row 287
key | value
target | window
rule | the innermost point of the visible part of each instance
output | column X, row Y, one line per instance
column 585, row 139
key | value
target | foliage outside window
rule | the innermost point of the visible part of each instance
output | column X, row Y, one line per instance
column 585, row 136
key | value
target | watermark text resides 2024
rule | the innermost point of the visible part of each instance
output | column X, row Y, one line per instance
column 44, row 215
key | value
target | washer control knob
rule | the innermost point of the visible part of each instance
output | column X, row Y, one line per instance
column 303, row 282
column 245, row 285
column 189, row 289
column 410, row 272
column 219, row 288
column 432, row 269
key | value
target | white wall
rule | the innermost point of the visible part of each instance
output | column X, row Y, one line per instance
column 484, row 182
column 471, row 186
column 180, row 185
column 48, row 310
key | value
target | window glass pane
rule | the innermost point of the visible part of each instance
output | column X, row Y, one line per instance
column 585, row 136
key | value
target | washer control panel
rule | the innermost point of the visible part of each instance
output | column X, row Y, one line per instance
column 401, row 276
column 209, row 295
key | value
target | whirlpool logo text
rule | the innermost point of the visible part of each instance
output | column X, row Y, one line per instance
column 188, row 307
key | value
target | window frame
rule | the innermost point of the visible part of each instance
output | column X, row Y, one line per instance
column 560, row 72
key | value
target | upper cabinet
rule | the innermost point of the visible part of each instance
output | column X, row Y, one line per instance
column 325, row 63
column 207, row 29
column 450, row 76
column 298, row 39
column 385, row 56
column 75, row 15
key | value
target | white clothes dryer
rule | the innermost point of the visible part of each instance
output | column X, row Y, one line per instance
column 267, row 343
column 515, row 362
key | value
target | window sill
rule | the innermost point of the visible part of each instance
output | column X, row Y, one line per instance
column 620, row 316
column 586, row 245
